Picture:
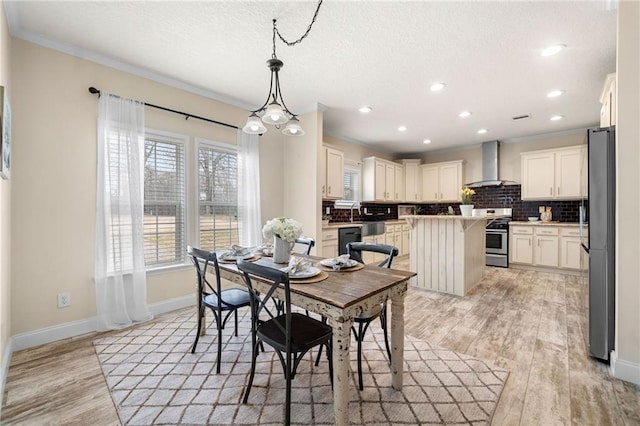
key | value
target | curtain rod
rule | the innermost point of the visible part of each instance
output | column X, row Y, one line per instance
column 95, row 91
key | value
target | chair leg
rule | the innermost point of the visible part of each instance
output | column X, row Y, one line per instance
column 200, row 313
column 319, row 354
column 254, row 356
column 359, row 339
column 383, row 323
column 218, row 360
column 287, row 408
column 235, row 314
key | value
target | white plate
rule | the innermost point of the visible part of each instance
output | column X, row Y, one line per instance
column 329, row 263
column 311, row 272
column 236, row 257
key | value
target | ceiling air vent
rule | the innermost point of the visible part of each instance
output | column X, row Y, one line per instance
column 521, row 117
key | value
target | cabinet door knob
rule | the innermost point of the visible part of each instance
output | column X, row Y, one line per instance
column 329, row 189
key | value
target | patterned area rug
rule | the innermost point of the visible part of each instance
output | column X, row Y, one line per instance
column 154, row 379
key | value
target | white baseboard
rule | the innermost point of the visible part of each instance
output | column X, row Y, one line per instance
column 88, row 325
column 624, row 370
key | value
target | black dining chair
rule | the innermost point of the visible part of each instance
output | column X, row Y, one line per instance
column 363, row 320
column 307, row 242
column 214, row 298
column 291, row 334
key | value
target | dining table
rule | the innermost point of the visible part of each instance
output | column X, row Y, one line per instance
column 340, row 296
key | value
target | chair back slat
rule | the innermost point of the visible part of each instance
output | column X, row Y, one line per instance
column 201, row 260
column 259, row 301
column 355, row 250
column 308, row 242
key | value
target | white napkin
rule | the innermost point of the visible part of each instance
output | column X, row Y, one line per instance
column 340, row 262
column 235, row 251
column 297, row 264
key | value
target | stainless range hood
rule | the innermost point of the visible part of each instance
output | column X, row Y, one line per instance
column 490, row 156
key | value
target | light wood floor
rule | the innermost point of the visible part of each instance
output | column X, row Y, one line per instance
column 531, row 323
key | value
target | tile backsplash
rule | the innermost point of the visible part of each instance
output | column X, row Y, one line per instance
column 485, row 197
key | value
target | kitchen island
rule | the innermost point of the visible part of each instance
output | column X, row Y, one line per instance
column 447, row 252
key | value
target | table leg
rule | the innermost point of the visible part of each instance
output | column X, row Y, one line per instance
column 397, row 339
column 341, row 372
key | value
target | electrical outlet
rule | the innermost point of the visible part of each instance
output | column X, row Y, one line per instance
column 64, row 300
column 389, row 211
column 365, row 210
column 328, row 210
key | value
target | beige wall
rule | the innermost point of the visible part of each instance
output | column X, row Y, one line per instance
column 301, row 174
column 628, row 192
column 5, row 209
column 354, row 151
column 54, row 173
column 509, row 163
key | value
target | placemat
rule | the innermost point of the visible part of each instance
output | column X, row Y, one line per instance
column 356, row 267
column 251, row 259
column 315, row 279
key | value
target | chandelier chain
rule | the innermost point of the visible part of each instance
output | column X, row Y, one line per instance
column 293, row 43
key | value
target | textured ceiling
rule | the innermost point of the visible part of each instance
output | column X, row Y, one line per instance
column 385, row 54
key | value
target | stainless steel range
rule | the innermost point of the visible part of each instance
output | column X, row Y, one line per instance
column 497, row 232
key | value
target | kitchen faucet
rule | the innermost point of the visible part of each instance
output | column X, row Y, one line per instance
column 353, row 205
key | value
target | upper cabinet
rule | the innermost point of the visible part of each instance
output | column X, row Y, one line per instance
column 608, row 101
column 382, row 180
column 333, row 169
column 412, row 184
column 442, row 182
column 554, row 174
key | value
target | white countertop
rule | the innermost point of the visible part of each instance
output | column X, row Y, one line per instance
column 451, row 217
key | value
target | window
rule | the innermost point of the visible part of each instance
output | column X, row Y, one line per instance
column 164, row 200
column 217, row 196
column 351, row 184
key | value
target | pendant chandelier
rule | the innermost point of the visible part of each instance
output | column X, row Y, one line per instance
column 274, row 111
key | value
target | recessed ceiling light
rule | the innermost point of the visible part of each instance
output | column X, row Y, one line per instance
column 426, row 141
column 402, row 128
column 482, row 131
column 464, row 114
column 365, row 109
column 552, row 50
column 436, row 87
column 556, row 117
column 555, row 93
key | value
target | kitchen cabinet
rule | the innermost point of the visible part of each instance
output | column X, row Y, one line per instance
column 521, row 245
column 546, row 247
column 379, row 180
column 608, row 101
column 571, row 253
column 554, row 174
column 550, row 246
column 412, row 183
column 442, row 182
column 406, row 235
column 333, row 168
column 330, row 243
column 399, row 182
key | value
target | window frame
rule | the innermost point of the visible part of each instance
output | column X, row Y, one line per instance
column 162, row 135
column 353, row 167
column 221, row 146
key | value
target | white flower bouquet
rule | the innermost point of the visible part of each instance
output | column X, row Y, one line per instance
column 282, row 227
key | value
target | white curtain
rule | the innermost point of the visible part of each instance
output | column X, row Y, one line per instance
column 121, row 285
column 249, row 214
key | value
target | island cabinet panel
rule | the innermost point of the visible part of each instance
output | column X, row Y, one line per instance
column 447, row 253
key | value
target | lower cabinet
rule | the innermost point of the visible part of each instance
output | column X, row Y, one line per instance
column 521, row 245
column 330, row 243
column 547, row 246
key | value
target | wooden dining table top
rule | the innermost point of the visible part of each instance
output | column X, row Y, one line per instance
column 342, row 288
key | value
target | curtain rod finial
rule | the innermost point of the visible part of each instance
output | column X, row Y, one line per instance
column 93, row 90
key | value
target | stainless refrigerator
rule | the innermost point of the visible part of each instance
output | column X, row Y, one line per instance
column 599, row 217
